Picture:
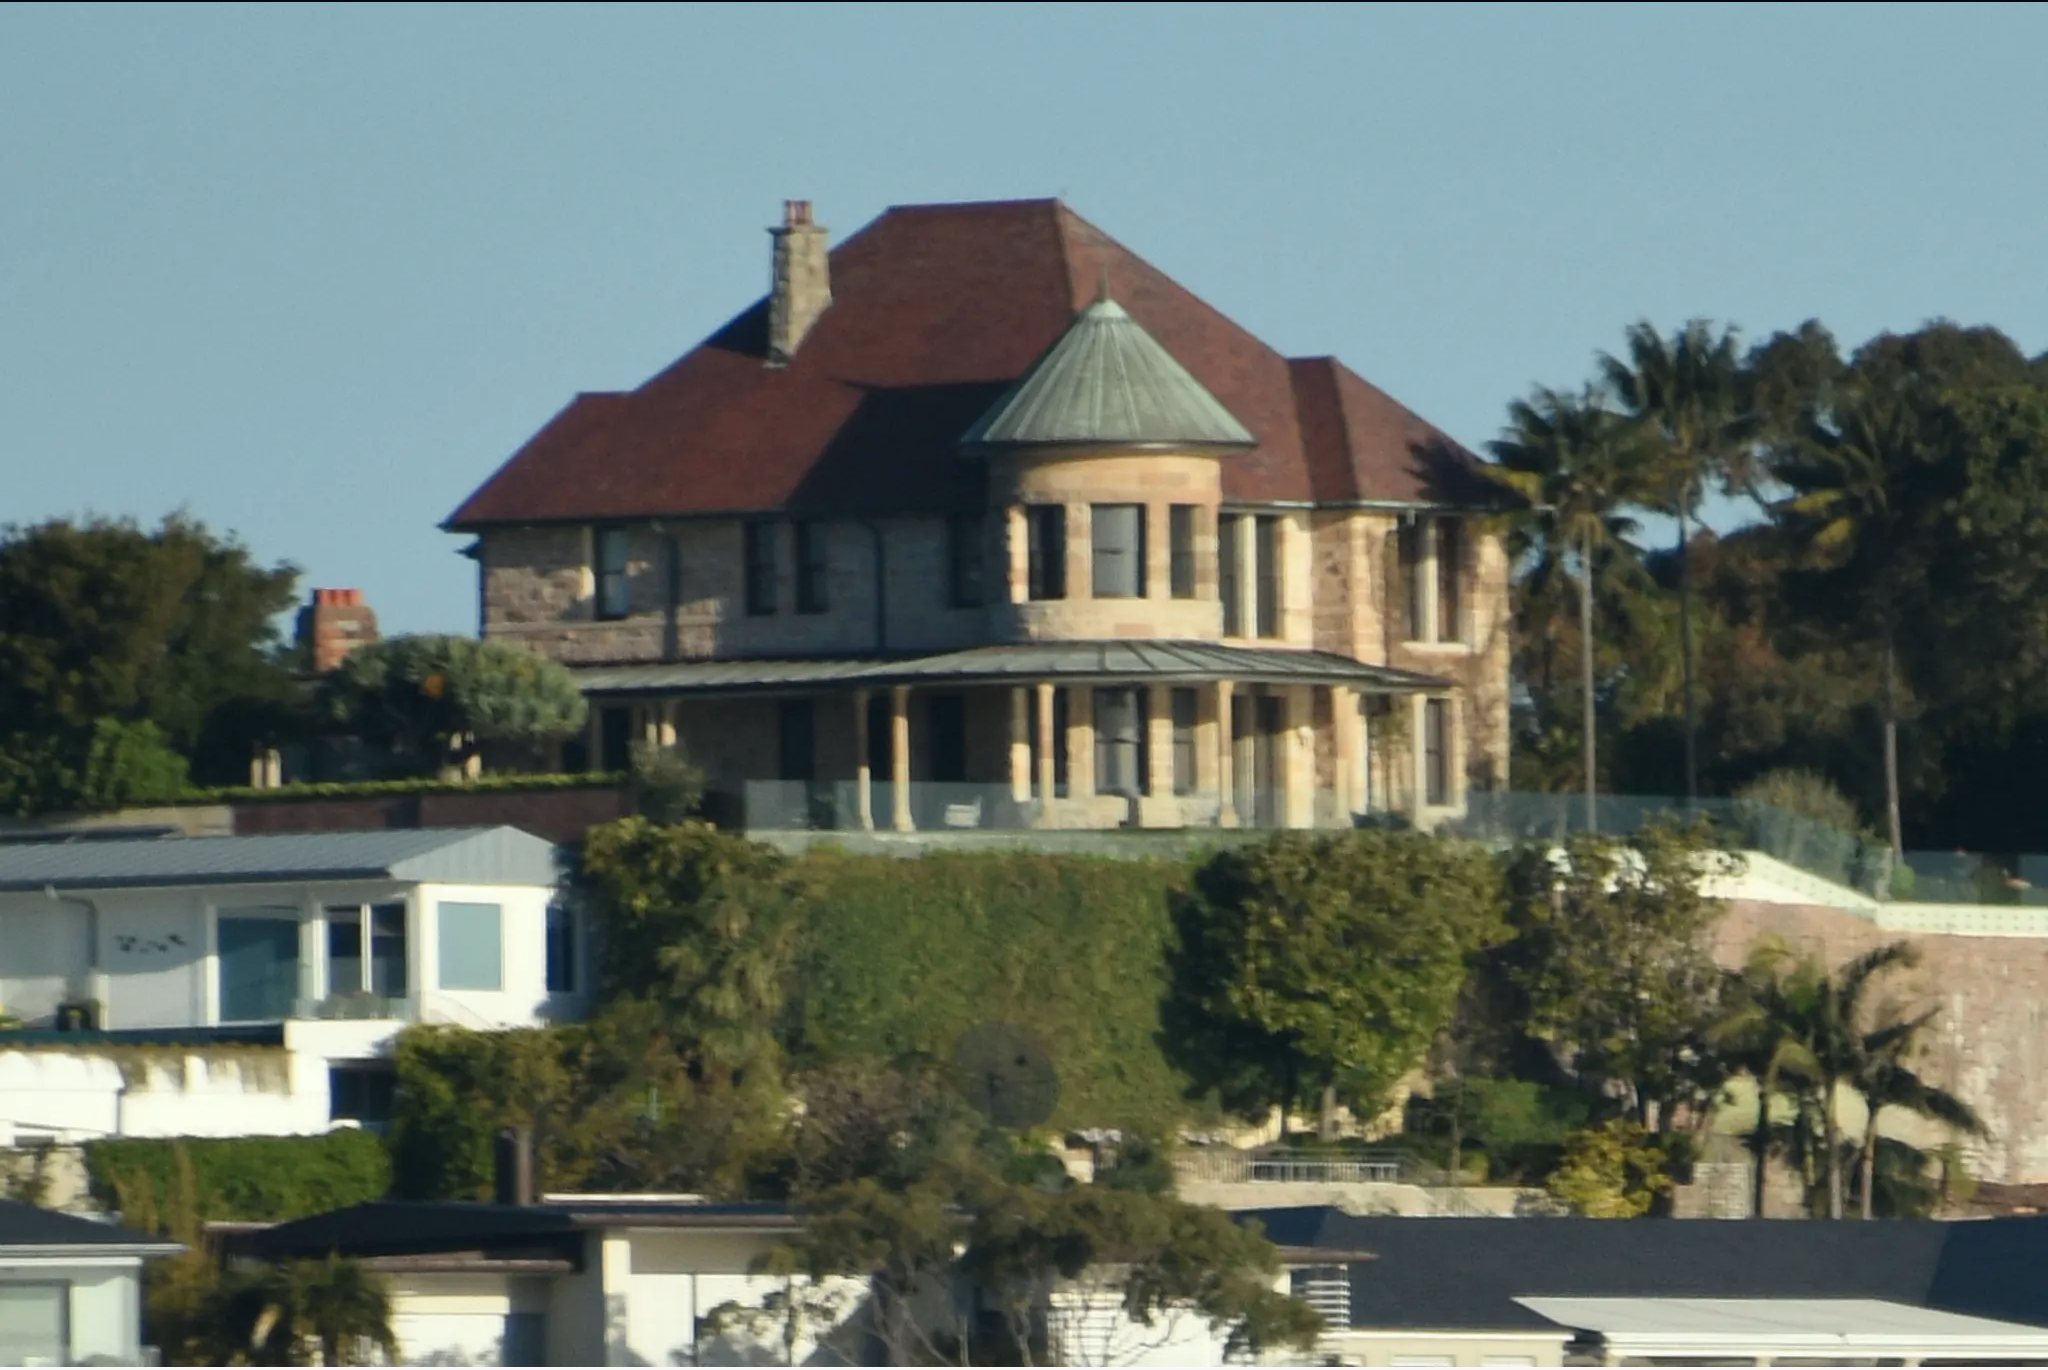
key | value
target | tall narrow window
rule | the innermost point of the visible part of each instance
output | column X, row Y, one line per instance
column 1120, row 759
column 1048, row 551
column 1414, row 535
column 963, row 561
column 1450, row 558
column 561, row 950
column 946, row 723
column 389, row 971
column 761, row 568
column 1436, row 751
column 1186, row 716
column 813, row 567
column 614, row 591
column 344, row 949
column 1180, row 542
column 796, row 735
column 615, row 738
column 1229, row 535
column 1266, row 555
column 1117, row 541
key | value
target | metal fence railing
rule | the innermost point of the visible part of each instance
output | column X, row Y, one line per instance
column 1289, row 1165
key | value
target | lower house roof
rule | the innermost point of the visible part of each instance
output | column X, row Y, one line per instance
column 28, row 1231
column 456, row 856
column 1477, row 1274
column 1123, row 659
column 1665, row 1327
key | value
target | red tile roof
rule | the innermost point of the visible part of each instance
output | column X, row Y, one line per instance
column 936, row 309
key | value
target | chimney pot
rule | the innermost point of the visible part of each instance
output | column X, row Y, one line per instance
column 513, row 1172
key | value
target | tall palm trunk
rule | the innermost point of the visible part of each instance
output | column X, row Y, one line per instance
column 1760, row 1143
column 1832, row 1140
column 1587, row 718
column 1868, row 1158
column 1692, row 765
column 1891, row 743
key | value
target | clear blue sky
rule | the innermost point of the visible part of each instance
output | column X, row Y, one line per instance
column 313, row 273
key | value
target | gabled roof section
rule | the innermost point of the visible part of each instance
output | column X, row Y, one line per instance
column 455, row 856
column 26, row 1230
column 1108, row 383
column 937, row 310
column 1366, row 447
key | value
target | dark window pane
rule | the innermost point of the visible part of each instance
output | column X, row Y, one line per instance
column 1436, row 758
column 796, row 733
column 947, row 720
column 963, row 560
column 1047, row 527
column 1266, row 557
column 813, row 567
column 760, row 568
column 389, row 975
column 1180, row 534
column 880, row 721
column 615, row 738
column 1186, row 717
column 344, row 950
column 1229, row 534
column 259, row 966
column 561, row 950
column 361, row 1093
column 1411, row 578
column 1058, row 741
column 1450, row 556
column 1120, row 742
column 1118, row 550
column 614, row 592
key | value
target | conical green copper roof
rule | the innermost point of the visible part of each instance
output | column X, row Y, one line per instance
column 1108, row 383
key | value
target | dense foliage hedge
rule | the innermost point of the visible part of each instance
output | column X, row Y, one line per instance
column 242, row 1179
column 905, row 956
column 370, row 789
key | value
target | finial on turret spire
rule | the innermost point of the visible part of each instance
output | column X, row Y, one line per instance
column 1102, row 285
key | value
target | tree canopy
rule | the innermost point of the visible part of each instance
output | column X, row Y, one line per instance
column 434, row 698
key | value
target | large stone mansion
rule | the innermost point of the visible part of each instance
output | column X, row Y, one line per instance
column 979, row 520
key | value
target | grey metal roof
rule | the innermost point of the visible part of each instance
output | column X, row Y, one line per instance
column 1108, row 382
column 1120, row 659
column 30, row 1231
column 456, row 856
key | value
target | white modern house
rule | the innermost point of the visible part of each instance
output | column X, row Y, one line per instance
column 70, row 1289
column 229, row 986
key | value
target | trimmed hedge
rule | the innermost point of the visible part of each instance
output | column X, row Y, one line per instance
column 243, row 1179
column 370, row 789
column 906, row 956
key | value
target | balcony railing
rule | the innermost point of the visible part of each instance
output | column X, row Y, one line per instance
column 361, row 1007
column 1289, row 1165
column 938, row 806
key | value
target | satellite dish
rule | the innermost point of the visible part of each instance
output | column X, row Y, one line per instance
column 1007, row 1074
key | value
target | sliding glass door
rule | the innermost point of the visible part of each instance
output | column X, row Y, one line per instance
column 259, row 964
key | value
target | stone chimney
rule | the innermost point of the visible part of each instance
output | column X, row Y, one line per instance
column 333, row 625
column 802, row 287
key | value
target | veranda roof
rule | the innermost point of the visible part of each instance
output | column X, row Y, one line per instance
column 1134, row 660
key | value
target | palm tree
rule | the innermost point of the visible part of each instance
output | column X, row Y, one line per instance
column 1689, row 390
column 274, row 1315
column 1845, row 470
column 1763, row 1038
column 1885, row 1079
column 1572, row 461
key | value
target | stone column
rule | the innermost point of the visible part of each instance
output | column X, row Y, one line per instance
column 650, row 725
column 668, row 723
column 1226, row 786
column 1159, row 743
column 1343, row 745
column 1418, row 757
column 1020, row 744
column 1297, row 758
column 1081, row 744
column 863, row 772
column 1047, row 767
column 899, row 758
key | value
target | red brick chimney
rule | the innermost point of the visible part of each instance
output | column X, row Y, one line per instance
column 333, row 625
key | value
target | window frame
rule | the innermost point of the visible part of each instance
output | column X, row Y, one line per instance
column 1123, row 517
column 1229, row 577
column 813, row 542
column 1448, row 547
column 1412, row 554
column 1115, row 699
column 613, row 598
column 761, row 570
column 1185, row 704
column 1045, row 552
column 1183, row 527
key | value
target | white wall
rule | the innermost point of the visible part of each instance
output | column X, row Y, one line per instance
column 42, row 950
column 105, row 1298
column 522, row 999
column 153, row 951
column 459, row 1319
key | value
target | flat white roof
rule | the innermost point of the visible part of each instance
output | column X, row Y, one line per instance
column 1672, row 1326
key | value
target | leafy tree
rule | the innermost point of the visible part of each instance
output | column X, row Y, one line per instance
column 703, row 923
column 1324, row 964
column 1574, row 464
column 1616, row 1170
column 1610, row 951
column 433, row 699
column 171, row 627
column 667, row 787
column 1689, row 390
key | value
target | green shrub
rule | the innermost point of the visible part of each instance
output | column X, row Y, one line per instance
column 242, row 1179
column 1806, row 794
column 370, row 789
